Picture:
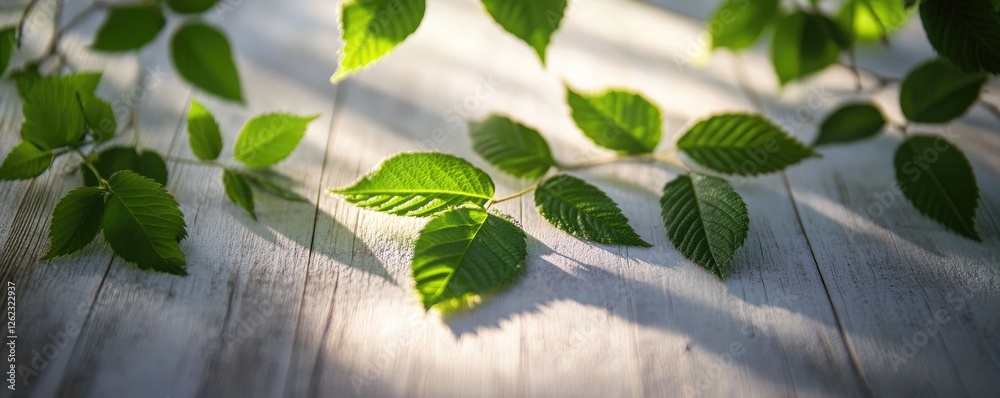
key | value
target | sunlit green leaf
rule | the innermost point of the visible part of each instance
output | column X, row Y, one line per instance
column 75, row 221
column 706, row 220
column 512, row 147
column 872, row 18
column 742, row 144
column 203, row 133
column 737, row 24
column 584, row 211
column 269, row 139
column 53, row 117
column 370, row 29
column 533, row 21
column 420, row 185
column 617, row 120
column 143, row 223
column 25, row 161
column 937, row 178
column 466, row 252
column 202, row 56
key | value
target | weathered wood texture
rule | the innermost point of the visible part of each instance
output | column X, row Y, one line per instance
column 842, row 289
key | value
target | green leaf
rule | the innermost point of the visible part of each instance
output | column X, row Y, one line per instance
column 143, row 223
column 512, row 147
column 852, row 122
column 742, row 144
column 805, row 43
column 533, row 21
column 84, row 82
column 370, row 29
column 420, row 185
column 8, row 38
column 202, row 56
column 238, row 190
column 706, row 220
column 203, row 132
column 584, row 211
column 129, row 28
column 617, row 120
column 938, row 92
column 965, row 32
column 75, row 221
column 191, row 6
column 269, row 139
column 937, row 178
column 465, row 252
column 25, row 161
column 737, row 24
column 112, row 160
column 266, row 185
column 53, row 117
column 873, row 17
column 99, row 117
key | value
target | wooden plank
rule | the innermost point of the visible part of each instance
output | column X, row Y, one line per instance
column 584, row 320
column 226, row 328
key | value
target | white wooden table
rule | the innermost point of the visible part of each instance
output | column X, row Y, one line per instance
column 833, row 296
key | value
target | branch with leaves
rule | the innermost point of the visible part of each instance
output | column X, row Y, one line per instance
column 467, row 249
column 123, row 194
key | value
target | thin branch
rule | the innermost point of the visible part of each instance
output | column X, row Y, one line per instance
column 24, row 20
column 588, row 165
column 195, row 162
column 514, row 196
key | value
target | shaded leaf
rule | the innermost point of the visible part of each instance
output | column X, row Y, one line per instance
column 420, row 185
column 112, row 160
column 269, row 139
column 533, row 21
column 8, row 38
column 191, row 6
column 203, row 132
column 966, row 32
column 370, row 29
column 737, row 24
column 938, row 92
column 466, row 252
column 238, row 190
column 202, row 56
column 143, row 223
column 99, row 117
column 75, row 221
column 742, row 144
column 937, row 178
column 617, row 120
column 584, row 211
column 512, row 147
column 25, row 161
column 129, row 28
column 805, row 43
column 851, row 122
column 706, row 220
column 266, row 185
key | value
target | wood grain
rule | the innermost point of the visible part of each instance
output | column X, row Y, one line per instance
column 316, row 299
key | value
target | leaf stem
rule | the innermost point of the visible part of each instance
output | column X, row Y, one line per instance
column 194, row 162
column 514, row 196
column 86, row 162
column 588, row 165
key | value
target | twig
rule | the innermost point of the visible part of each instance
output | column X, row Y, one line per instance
column 514, row 196
column 24, row 20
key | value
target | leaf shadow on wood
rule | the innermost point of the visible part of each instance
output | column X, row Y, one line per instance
column 278, row 217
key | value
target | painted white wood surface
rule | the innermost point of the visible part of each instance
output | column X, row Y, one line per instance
column 316, row 299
